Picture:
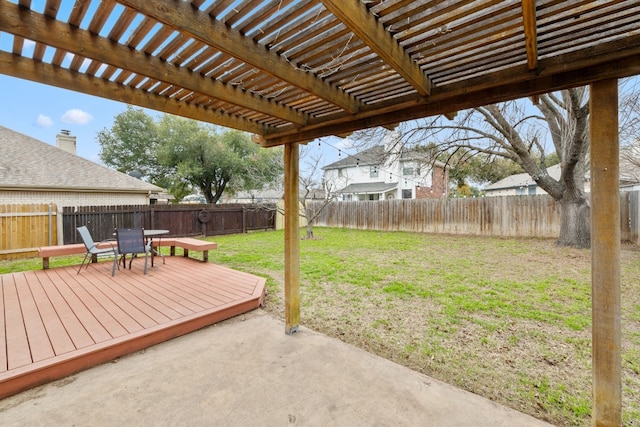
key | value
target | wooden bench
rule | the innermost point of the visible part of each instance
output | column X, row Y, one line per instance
column 187, row 244
column 46, row 252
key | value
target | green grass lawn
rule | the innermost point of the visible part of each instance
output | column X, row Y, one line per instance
column 507, row 319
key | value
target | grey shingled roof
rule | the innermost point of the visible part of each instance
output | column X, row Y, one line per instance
column 522, row 179
column 371, row 156
column 375, row 156
column 27, row 163
column 369, row 187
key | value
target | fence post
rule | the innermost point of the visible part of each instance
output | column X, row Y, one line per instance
column 244, row 219
column 60, row 226
column 50, row 223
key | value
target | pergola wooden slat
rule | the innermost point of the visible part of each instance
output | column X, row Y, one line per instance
column 292, row 71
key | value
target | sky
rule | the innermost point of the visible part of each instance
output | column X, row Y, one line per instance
column 42, row 111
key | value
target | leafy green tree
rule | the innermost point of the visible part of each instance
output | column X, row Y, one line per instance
column 214, row 161
column 131, row 144
column 181, row 154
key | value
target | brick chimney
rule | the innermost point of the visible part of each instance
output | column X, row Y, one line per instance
column 66, row 142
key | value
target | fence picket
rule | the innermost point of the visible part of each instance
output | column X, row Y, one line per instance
column 506, row 216
column 24, row 228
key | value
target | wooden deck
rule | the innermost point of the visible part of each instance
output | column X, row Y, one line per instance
column 57, row 322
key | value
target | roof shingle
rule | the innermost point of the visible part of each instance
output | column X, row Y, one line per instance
column 27, row 163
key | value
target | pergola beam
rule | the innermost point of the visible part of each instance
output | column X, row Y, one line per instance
column 355, row 15
column 38, row 28
column 500, row 87
column 183, row 17
column 530, row 32
column 48, row 74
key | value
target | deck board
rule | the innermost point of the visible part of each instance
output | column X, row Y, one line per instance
column 56, row 322
column 92, row 325
column 74, row 329
column 60, row 340
column 18, row 353
column 39, row 344
column 3, row 343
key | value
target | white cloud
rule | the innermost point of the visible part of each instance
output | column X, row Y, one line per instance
column 29, row 44
column 344, row 144
column 44, row 121
column 77, row 117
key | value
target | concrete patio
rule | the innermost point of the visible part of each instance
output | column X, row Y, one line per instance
column 246, row 371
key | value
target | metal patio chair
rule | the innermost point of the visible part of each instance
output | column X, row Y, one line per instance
column 93, row 251
column 131, row 241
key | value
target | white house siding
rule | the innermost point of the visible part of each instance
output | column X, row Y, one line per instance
column 67, row 198
column 411, row 181
column 337, row 179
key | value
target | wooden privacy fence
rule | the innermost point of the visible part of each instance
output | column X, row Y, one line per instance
column 180, row 220
column 505, row 216
column 25, row 227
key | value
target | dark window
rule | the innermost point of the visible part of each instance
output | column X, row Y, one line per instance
column 406, row 194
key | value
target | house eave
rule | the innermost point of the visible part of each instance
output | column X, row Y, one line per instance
column 59, row 189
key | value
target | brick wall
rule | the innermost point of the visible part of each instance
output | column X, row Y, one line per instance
column 69, row 198
column 439, row 188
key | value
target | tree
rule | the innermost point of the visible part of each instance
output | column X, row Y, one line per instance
column 519, row 131
column 214, row 161
column 181, row 154
column 131, row 144
column 311, row 181
column 526, row 132
column 630, row 131
column 468, row 170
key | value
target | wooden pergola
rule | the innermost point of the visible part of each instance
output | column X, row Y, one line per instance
column 289, row 71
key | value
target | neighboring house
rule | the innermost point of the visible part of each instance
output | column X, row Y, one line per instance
column 522, row 184
column 270, row 196
column 377, row 174
column 33, row 171
column 254, row 196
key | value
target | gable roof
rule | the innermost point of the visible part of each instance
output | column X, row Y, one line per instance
column 369, row 157
column 28, row 163
column 522, row 179
column 369, row 187
column 375, row 156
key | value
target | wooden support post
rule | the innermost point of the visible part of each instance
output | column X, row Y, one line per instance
column 291, row 238
column 605, row 254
